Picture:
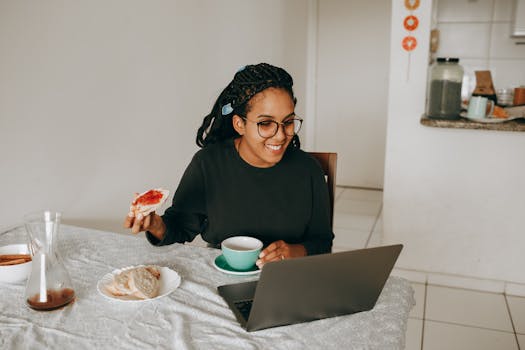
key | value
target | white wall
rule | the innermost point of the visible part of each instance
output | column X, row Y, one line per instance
column 352, row 87
column 454, row 198
column 99, row 99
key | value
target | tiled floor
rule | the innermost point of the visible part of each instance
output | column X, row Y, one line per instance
column 444, row 317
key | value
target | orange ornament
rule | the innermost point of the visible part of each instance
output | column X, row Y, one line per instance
column 411, row 4
column 409, row 43
column 410, row 23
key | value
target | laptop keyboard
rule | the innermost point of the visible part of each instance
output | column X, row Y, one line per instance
column 244, row 307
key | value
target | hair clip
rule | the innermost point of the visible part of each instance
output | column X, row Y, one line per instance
column 227, row 109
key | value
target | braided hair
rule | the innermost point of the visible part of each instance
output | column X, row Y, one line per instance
column 235, row 100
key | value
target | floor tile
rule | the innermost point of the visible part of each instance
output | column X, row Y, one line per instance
column 517, row 312
column 411, row 275
column 354, row 221
column 521, row 340
column 376, row 240
column 357, row 206
column 378, row 226
column 515, row 289
column 419, row 295
column 413, row 335
column 466, row 283
column 467, row 307
column 439, row 336
column 360, row 194
column 348, row 239
column 338, row 191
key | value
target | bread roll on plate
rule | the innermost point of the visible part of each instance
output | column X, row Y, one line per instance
column 142, row 282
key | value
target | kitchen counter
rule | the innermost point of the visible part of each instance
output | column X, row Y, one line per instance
column 463, row 123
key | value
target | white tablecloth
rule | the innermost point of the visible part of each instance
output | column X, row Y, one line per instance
column 194, row 316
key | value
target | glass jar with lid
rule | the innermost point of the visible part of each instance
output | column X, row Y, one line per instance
column 444, row 90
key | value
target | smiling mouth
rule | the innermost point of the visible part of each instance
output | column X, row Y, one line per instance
column 274, row 147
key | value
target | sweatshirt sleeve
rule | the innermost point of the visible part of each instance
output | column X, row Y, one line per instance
column 186, row 217
column 319, row 235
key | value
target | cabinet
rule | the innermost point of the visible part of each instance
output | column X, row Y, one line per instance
column 518, row 26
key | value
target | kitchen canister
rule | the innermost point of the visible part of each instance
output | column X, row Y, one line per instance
column 444, row 90
column 519, row 96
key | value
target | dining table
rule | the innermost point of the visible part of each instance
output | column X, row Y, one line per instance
column 191, row 316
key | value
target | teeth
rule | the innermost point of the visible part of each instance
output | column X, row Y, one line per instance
column 274, row 147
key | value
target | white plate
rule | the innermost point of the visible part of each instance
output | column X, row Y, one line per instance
column 491, row 120
column 169, row 281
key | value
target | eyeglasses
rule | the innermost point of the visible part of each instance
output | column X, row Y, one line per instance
column 268, row 128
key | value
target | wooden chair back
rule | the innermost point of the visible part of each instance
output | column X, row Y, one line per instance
column 328, row 162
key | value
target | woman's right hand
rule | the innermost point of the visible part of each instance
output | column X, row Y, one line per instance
column 151, row 222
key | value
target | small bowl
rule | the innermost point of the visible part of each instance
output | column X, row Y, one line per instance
column 14, row 273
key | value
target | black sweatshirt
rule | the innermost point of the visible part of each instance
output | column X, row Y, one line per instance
column 220, row 195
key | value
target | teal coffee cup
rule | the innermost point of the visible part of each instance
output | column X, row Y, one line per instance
column 241, row 252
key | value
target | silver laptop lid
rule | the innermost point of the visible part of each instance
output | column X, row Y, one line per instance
column 320, row 286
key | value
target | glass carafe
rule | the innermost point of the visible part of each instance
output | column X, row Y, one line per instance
column 49, row 285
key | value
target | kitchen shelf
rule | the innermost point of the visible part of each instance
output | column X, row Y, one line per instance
column 463, row 123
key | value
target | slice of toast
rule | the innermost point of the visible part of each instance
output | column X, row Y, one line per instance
column 149, row 201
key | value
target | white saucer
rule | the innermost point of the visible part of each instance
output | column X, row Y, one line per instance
column 492, row 120
column 169, row 281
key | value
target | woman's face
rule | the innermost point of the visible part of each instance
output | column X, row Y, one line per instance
column 272, row 104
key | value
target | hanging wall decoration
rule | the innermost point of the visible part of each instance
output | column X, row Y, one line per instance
column 409, row 43
column 410, row 23
column 411, row 4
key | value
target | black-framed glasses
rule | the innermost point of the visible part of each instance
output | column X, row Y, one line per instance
column 268, row 128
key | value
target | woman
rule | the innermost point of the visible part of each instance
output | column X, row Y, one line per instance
column 250, row 177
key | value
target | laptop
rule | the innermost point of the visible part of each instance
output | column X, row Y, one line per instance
column 312, row 288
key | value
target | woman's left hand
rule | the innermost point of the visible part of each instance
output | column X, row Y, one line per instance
column 280, row 250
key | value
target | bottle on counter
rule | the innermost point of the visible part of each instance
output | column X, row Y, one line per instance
column 444, row 91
